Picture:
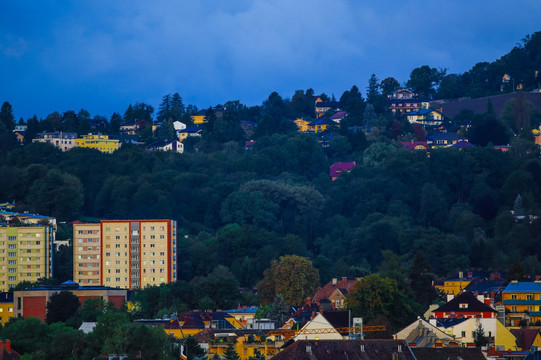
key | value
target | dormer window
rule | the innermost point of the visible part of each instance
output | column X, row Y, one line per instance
column 463, row 306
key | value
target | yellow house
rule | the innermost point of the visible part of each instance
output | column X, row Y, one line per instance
column 98, row 142
column 453, row 287
column 6, row 307
column 194, row 322
column 302, row 124
column 199, row 117
column 463, row 331
column 243, row 314
column 320, row 125
column 243, row 347
column 189, row 132
column 522, row 301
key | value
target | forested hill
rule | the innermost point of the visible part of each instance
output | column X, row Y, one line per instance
column 243, row 207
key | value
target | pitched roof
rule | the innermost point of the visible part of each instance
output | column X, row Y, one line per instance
column 524, row 287
column 473, row 305
column 327, row 290
column 525, row 337
column 338, row 115
column 413, row 145
column 449, row 353
column 346, row 349
column 336, row 169
column 337, row 318
column 446, row 136
column 462, row 144
column 423, row 112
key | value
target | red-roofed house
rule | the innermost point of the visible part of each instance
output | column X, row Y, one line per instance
column 338, row 168
column 335, row 292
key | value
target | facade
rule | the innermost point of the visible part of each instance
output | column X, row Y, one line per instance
column 62, row 140
column 26, row 253
column 33, row 302
column 189, row 132
column 174, row 145
column 98, row 142
column 426, row 117
column 403, row 101
column 453, row 286
column 302, row 124
column 6, row 307
column 465, row 305
column 199, row 117
column 128, row 254
column 442, row 140
column 522, row 301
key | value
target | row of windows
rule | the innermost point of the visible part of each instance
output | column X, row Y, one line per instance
column 89, row 232
column 81, row 240
column 80, row 248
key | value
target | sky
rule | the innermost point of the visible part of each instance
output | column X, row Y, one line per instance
column 103, row 55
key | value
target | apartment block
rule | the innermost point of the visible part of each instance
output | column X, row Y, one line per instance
column 128, row 254
column 26, row 253
column 98, row 142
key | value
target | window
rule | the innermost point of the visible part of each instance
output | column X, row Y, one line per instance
column 513, row 296
column 529, row 297
column 463, row 334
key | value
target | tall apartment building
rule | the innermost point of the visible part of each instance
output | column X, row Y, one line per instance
column 129, row 254
column 26, row 253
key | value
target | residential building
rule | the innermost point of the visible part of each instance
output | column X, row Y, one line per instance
column 425, row 117
column 190, row 132
column 127, row 254
column 346, row 349
column 244, row 347
column 522, row 301
column 338, row 168
column 442, row 140
column 302, row 124
column 448, row 353
column 243, row 314
column 338, row 116
column 194, row 322
column 415, row 145
column 26, row 253
column 324, row 326
column 199, row 117
column 403, row 101
column 63, row 140
column 175, row 146
column 98, row 142
column 32, row 302
column 335, row 291
column 321, row 107
column 465, row 305
column 453, row 286
column 321, row 124
column 6, row 307
column 463, row 329
column 421, row 333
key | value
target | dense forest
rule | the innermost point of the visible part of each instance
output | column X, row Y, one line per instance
column 239, row 208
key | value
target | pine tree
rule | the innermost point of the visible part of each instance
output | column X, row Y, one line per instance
column 231, row 353
column 479, row 337
column 6, row 116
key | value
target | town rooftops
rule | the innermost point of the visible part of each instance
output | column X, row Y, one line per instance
column 448, row 353
column 346, row 349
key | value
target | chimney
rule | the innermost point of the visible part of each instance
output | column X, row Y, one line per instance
column 334, row 280
column 8, row 345
column 344, row 278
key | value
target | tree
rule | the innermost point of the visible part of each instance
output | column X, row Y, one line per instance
column 192, row 348
column 257, row 356
column 278, row 310
column 231, row 353
column 424, row 79
column 61, row 306
column 375, row 296
column 421, row 280
column 372, row 91
column 479, row 337
column 292, row 276
column 6, row 116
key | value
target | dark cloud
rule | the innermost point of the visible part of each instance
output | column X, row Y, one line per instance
column 103, row 55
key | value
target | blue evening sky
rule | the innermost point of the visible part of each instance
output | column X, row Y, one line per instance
column 102, row 55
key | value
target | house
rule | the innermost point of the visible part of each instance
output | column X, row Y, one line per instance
column 403, row 101
column 338, row 116
column 415, row 145
column 193, row 322
column 462, row 144
column 338, row 168
column 323, row 326
column 249, row 145
column 527, row 337
column 199, row 117
column 62, row 140
column 465, row 305
column 99, row 142
column 243, row 314
column 421, row 333
column 522, row 301
column 179, row 125
column 6, row 307
column 302, row 124
column 448, row 353
column 244, row 346
column 320, row 125
column 32, row 302
column 346, row 349
column 321, row 107
column 6, row 352
column 160, row 145
column 442, row 140
column 335, row 291
column 19, row 135
column 453, row 286
column 425, row 117
column 190, row 132
column 463, row 329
